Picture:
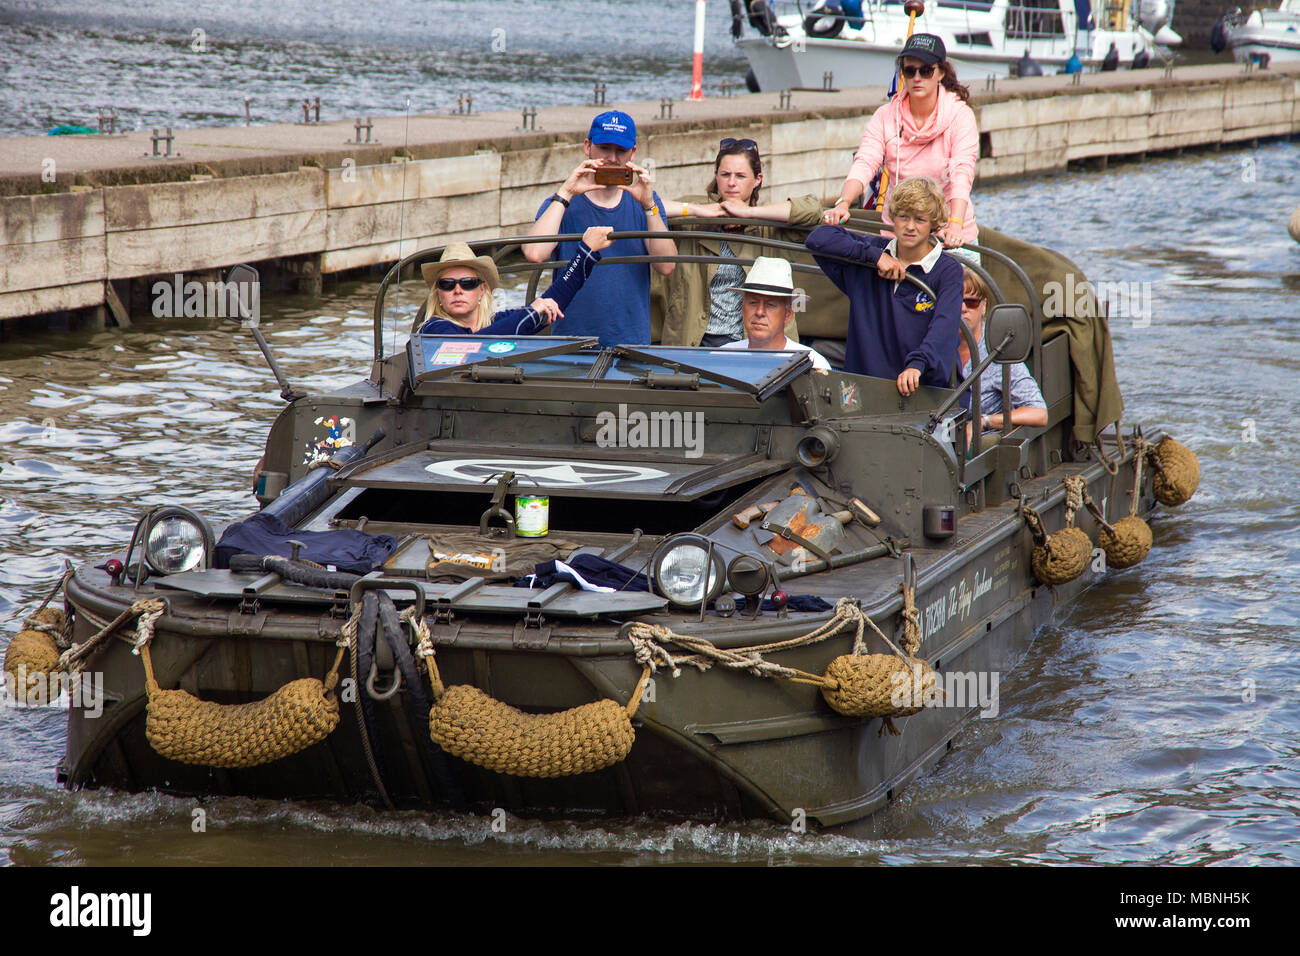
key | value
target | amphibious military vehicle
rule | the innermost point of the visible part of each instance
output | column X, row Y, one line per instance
column 724, row 526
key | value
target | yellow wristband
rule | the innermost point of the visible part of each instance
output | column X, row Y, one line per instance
column 959, row 222
column 686, row 210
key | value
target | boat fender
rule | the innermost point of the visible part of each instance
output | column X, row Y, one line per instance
column 489, row 733
column 1177, row 472
column 1129, row 540
column 33, row 653
column 825, row 20
column 761, row 17
column 1061, row 557
column 900, row 684
column 1127, row 543
column 183, row 728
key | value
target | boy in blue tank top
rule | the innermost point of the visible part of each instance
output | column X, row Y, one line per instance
column 614, row 303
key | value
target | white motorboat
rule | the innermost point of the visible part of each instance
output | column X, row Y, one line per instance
column 1266, row 36
column 800, row 44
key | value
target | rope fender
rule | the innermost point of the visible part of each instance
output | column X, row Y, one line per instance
column 1061, row 557
column 1177, row 472
column 181, row 727
column 1129, row 541
column 856, row 684
column 479, row 729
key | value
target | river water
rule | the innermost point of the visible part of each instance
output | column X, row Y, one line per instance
column 1157, row 720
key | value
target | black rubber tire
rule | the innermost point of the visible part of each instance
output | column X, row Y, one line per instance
column 751, row 81
column 761, row 17
column 833, row 29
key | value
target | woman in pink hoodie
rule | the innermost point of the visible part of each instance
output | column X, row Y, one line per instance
column 926, row 129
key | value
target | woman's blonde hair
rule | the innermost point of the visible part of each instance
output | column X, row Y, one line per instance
column 976, row 285
column 919, row 195
column 482, row 315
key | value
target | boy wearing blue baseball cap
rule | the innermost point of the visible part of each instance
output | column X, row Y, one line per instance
column 614, row 303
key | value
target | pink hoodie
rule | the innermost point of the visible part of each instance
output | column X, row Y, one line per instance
column 945, row 149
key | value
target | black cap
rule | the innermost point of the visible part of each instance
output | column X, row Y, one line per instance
column 926, row 47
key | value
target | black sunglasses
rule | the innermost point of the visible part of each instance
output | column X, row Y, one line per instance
column 926, row 70
column 446, row 284
column 748, row 144
column 971, row 301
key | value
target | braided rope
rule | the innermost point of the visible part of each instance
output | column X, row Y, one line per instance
column 648, row 640
column 1076, row 486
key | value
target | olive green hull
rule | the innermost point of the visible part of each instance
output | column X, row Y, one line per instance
column 709, row 745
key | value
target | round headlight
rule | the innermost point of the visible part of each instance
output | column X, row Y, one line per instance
column 177, row 541
column 685, row 572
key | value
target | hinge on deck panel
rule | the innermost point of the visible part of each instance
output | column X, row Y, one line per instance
column 762, row 438
column 442, row 611
column 530, row 633
column 448, row 425
column 341, row 607
column 249, row 603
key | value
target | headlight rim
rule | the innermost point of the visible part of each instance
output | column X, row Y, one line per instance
column 162, row 513
column 717, row 571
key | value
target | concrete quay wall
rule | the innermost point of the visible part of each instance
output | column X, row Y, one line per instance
column 308, row 204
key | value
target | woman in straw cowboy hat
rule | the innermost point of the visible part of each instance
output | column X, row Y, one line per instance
column 461, row 284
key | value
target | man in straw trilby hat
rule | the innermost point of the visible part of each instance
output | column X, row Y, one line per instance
column 615, row 304
column 766, row 300
column 461, row 284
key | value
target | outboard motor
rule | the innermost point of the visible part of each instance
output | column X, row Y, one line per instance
column 1028, row 66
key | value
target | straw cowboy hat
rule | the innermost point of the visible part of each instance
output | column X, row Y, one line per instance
column 460, row 254
column 768, row 276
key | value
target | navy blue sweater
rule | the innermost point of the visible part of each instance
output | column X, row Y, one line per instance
column 893, row 329
column 527, row 321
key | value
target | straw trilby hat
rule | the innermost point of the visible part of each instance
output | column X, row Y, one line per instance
column 768, row 276
column 460, row 254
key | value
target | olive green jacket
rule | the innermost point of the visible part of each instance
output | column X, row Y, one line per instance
column 684, row 293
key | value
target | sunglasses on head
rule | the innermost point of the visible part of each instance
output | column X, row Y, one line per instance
column 748, row 144
column 446, row 284
column 926, row 70
column 971, row 301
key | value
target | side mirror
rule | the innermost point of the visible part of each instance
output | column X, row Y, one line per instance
column 246, row 286
column 1009, row 319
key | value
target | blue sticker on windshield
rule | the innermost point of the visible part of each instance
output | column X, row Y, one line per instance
column 500, row 348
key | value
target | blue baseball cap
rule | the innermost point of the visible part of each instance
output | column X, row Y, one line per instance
column 614, row 128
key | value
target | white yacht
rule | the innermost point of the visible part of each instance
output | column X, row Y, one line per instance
column 857, row 44
column 1266, row 36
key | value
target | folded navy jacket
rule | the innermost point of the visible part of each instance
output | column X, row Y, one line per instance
column 353, row 551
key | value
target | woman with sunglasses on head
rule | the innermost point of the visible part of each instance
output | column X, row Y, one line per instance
column 1026, row 399
column 926, row 129
column 703, row 307
column 461, row 284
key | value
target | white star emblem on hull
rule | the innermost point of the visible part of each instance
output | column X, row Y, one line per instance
column 547, row 473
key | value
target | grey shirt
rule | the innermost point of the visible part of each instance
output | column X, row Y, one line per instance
column 1024, row 390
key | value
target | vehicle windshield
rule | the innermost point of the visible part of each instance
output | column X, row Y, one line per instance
column 580, row 359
